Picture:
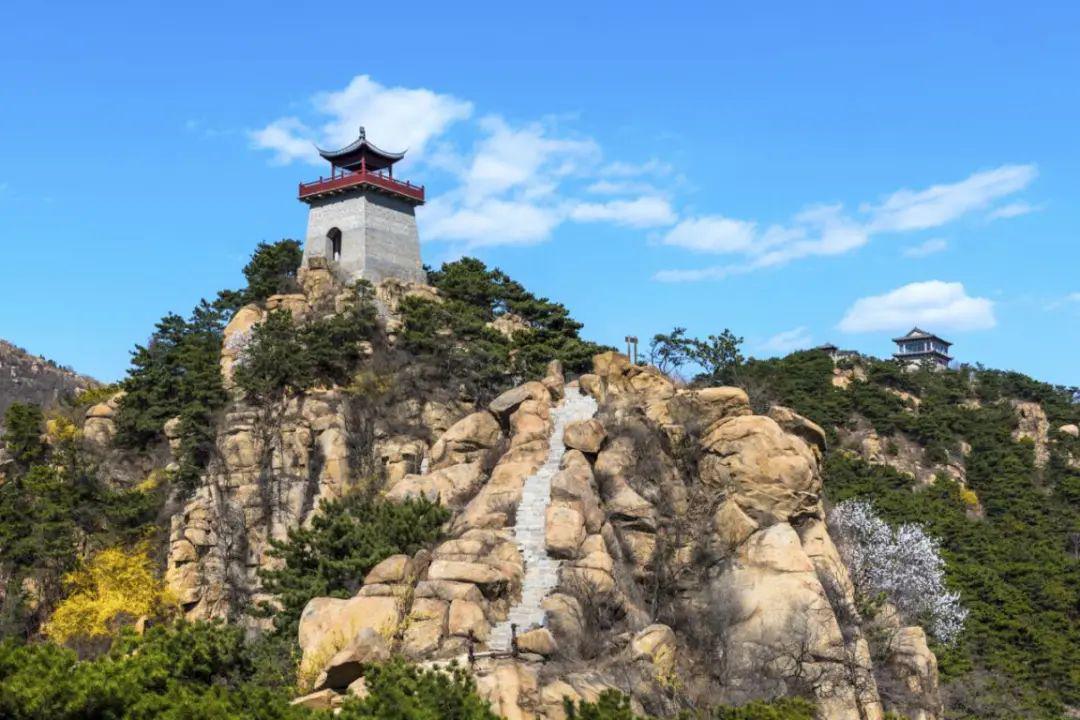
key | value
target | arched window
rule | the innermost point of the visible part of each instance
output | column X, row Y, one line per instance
column 335, row 244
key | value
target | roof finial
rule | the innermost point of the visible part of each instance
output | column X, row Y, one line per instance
column 363, row 133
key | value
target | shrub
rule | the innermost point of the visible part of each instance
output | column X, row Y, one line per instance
column 405, row 692
column 613, row 705
column 346, row 539
column 782, row 709
column 177, row 672
column 902, row 565
column 94, row 395
column 114, row 586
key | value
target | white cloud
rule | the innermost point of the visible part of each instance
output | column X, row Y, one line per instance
column 527, row 157
column 787, row 341
column 715, row 272
column 824, row 230
column 940, row 204
column 1012, row 210
column 288, row 139
column 818, row 230
column 713, row 234
column 654, row 167
column 620, row 187
column 928, row 247
column 642, row 212
column 490, row 222
column 401, row 119
column 934, row 304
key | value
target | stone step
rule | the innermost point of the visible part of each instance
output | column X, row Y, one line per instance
column 541, row 571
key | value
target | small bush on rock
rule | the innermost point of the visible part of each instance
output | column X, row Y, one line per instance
column 345, row 540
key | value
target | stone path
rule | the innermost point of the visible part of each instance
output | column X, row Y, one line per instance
column 541, row 571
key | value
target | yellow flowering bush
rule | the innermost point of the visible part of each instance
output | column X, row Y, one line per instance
column 114, row 586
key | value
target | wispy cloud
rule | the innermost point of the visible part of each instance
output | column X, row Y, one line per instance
column 1012, row 210
column 928, row 247
column 785, row 342
column 934, row 303
column 906, row 210
column 825, row 230
column 642, row 212
column 1066, row 300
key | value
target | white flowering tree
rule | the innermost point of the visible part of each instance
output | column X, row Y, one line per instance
column 902, row 565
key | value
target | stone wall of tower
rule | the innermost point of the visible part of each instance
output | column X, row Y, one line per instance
column 379, row 238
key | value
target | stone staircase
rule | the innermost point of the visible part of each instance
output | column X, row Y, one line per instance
column 541, row 571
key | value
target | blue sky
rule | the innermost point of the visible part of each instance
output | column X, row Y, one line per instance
column 797, row 174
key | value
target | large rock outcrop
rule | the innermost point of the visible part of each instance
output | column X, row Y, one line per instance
column 695, row 559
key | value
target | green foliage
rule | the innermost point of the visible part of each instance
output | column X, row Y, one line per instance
column 185, row 671
column 23, row 426
column 455, row 339
column 668, row 351
column 1012, row 569
column 782, row 709
column 613, row 705
column 399, row 691
column 1015, row 569
column 282, row 357
column 346, row 539
column 95, row 395
column 801, row 381
column 272, row 270
column 718, row 356
column 49, row 515
column 177, row 373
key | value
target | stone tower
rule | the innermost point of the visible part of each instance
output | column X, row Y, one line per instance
column 361, row 219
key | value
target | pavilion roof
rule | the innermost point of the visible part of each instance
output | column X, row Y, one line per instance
column 919, row 334
column 361, row 151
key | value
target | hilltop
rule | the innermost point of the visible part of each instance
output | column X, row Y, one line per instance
column 325, row 491
column 27, row 378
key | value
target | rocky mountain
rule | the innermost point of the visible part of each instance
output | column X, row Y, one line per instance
column 396, row 481
column 33, row 379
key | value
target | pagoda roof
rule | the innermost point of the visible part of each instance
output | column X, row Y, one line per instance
column 361, row 153
column 919, row 334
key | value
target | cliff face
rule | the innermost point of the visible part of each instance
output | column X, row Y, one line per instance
column 30, row 378
column 691, row 562
column 273, row 465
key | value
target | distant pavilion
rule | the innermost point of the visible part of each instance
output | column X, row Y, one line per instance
column 920, row 346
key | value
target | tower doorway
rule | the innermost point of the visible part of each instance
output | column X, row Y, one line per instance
column 335, row 244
